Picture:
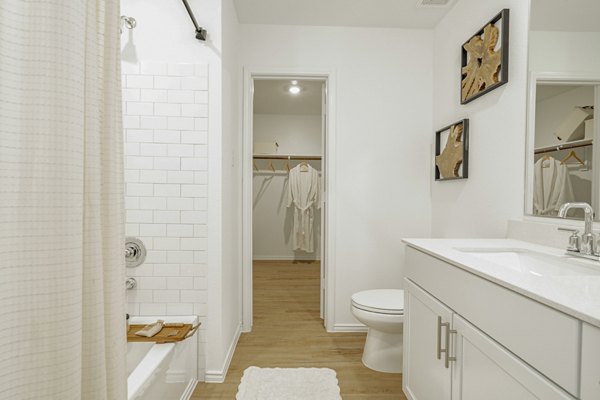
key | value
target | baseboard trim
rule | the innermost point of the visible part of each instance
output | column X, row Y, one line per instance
column 284, row 258
column 218, row 376
column 339, row 328
column 189, row 390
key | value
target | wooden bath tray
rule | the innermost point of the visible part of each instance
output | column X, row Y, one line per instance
column 178, row 333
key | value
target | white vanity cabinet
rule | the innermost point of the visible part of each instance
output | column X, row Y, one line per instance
column 485, row 370
column 425, row 374
column 474, row 367
column 590, row 363
column 501, row 345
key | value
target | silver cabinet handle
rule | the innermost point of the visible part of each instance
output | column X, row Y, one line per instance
column 439, row 338
column 446, row 349
column 447, row 352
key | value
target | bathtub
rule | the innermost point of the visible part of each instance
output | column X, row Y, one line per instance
column 166, row 371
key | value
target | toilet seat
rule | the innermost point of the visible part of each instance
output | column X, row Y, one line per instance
column 381, row 301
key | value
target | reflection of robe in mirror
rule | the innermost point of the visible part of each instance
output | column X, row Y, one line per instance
column 551, row 186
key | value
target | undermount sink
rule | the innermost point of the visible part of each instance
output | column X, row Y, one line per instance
column 535, row 263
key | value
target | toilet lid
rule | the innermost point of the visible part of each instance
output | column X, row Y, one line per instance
column 385, row 301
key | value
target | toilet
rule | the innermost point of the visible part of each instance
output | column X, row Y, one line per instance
column 382, row 311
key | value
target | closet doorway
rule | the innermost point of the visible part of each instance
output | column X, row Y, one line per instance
column 287, row 185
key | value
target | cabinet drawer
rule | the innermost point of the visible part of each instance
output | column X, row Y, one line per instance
column 590, row 363
column 543, row 337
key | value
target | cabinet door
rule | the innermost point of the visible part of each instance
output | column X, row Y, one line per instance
column 425, row 376
column 485, row 370
column 590, row 363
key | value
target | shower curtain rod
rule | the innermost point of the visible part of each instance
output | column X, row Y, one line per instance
column 200, row 32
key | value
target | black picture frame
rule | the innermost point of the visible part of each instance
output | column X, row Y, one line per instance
column 464, row 168
column 504, row 18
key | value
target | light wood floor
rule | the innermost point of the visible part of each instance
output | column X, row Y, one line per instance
column 288, row 332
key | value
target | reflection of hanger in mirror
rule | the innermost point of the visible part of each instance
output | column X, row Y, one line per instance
column 303, row 166
column 574, row 155
column 545, row 158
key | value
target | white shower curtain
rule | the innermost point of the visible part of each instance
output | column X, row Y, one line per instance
column 62, row 313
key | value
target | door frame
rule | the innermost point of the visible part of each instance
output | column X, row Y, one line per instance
column 328, row 261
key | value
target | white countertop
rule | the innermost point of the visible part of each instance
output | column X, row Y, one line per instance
column 575, row 295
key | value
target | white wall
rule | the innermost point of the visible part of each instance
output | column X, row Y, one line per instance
column 272, row 221
column 576, row 52
column 383, row 129
column 231, row 268
column 481, row 205
column 295, row 134
column 165, row 34
column 166, row 179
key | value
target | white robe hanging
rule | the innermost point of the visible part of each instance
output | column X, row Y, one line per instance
column 304, row 194
column 552, row 186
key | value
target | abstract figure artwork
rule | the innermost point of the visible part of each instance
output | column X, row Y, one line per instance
column 452, row 161
column 485, row 59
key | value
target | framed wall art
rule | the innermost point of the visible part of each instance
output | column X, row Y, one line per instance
column 484, row 61
column 452, row 152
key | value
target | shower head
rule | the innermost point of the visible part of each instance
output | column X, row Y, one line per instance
column 127, row 22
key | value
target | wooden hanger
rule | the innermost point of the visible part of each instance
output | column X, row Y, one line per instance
column 254, row 165
column 271, row 166
column 574, row 155
column 545, row 158
column 303, row 166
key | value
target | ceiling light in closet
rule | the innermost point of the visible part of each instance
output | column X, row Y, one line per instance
column 294, row 89
column 432, row 3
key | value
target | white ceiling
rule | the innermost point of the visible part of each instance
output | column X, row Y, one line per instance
column 565, row 15
column 546, row 91
column 273, row 97
column 364, row 13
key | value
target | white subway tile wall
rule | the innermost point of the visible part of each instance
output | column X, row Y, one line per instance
column 165, row 118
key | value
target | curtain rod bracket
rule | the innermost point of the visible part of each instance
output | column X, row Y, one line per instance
column 200, row 32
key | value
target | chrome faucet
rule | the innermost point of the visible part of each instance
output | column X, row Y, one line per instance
column 587, row 248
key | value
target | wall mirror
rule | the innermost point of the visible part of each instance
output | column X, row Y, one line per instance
column 563, row 138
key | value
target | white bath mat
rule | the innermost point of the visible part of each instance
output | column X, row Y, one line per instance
column 289, row 384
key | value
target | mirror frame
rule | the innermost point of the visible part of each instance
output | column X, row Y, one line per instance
column 558, row 78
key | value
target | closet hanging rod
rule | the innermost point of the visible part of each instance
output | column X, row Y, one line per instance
column 285, row 157
column 572, row 145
